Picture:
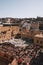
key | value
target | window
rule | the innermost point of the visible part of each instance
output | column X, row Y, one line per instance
column 37, row 41
column 40, row 42
column 20, row 29
column 4, row 32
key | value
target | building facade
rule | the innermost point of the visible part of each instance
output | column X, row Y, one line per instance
column 7, row 32
column 38, row 39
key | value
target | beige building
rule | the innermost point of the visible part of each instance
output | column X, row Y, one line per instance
column 7, row 32
column 29, row 33
column 38, row 39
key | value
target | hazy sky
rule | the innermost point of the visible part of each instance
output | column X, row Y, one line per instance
column 21, row 8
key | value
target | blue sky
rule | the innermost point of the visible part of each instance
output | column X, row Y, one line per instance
column 21, row 8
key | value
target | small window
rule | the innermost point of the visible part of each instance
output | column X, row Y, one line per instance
column 40, row 42
column 37, row 41
column 4, row 32
column 20, row 29
column 9, row 30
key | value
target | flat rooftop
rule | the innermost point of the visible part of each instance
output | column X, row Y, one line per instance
column 39, row 35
